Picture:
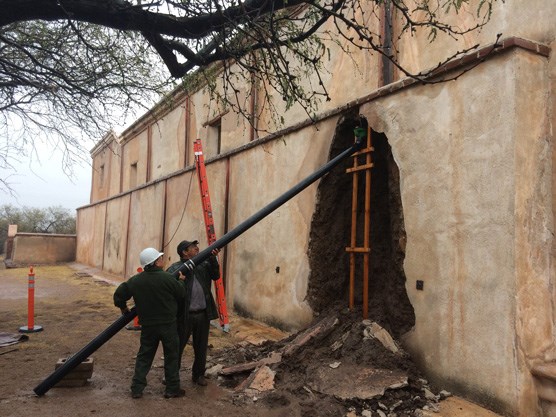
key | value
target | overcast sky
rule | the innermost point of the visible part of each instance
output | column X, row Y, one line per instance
column 44, row 184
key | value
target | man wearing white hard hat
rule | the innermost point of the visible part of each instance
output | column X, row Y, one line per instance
column 156, row 295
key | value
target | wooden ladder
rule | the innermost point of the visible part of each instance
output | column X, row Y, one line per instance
column 366, row 166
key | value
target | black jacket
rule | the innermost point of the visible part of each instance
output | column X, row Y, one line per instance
column 206, row 272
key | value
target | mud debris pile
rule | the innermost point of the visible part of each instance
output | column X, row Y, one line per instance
column 339, row 366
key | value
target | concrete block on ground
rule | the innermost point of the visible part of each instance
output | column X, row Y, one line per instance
column 78, row 376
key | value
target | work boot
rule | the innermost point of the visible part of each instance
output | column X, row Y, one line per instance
column 136, row 395
column 177, row 394
column 202, row 381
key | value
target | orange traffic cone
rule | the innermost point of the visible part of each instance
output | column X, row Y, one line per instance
column 31, row 326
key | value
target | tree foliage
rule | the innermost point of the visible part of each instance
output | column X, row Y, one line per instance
column 67, row 84
column 66, row 65
column 55, row 219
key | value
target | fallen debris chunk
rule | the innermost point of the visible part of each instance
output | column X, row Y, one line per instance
column 214, row 370
column 260, row 380
column 263, row 379
column 353, row 381
column 274, row 357
column 339, row 343
column 429, row 395
column 444, row 394
column 374, row 330
column 323, row 327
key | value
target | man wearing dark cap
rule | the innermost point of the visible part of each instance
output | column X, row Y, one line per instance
column 200, row 308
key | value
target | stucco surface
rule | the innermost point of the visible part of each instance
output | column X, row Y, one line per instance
column 268, row 263
column 106, row 169
column 101, row 182
column 167, row 143
column 526, row 19
column 469, row 172
column 114, row 175
column 90, row 234
column 184, row 211
column 145, row 223
column 115, row 235
column 534, row 221
column 476, row 166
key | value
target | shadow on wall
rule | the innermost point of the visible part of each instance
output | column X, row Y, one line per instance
column 331, row 233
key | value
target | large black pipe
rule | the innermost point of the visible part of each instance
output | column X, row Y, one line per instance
column 119, row 324
column 265, row 211
column 84, row 353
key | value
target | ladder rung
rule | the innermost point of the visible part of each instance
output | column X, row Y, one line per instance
column 358, row 250
column 364, row 151
column 360, row 168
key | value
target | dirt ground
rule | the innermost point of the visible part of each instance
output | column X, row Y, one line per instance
column 329, row 369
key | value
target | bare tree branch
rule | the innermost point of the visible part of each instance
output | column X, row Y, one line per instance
column 70, row 68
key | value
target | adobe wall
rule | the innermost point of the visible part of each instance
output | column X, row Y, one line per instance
column 42, row 248
column 475, row 171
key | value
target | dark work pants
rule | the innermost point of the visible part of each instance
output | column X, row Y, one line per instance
column 197, row 326
column 150, row 338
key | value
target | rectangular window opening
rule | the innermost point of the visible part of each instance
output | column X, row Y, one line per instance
column 101, row 176
column 133, row 175
column 214, row 139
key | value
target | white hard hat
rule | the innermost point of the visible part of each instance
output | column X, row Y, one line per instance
column 148, row 256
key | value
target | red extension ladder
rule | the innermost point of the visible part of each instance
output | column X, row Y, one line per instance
column 209, row 225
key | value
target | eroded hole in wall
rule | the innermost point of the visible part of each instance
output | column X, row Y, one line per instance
column 331, row 233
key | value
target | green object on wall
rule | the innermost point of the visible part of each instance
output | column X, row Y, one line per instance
column 360, row 132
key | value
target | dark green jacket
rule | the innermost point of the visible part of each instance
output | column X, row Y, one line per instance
column 205, row 273
column 156, row 294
